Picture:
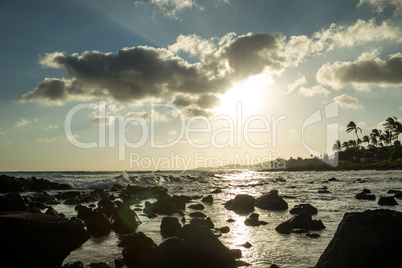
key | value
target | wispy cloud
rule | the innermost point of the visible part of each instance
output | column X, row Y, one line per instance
column 23, row 122
column 3, row 132
column 45, row 140
column 347, row 101
column 314, row 91
column 51, row 127
column 380, row 5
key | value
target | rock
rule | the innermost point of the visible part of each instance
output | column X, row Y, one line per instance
column 252, row 220
column 313, row 235
column 72, row 201
column 230, row 220
column 271, row 201
column 394, row 191
column 298, row 209
column 197, row 206
column 169, row 225
column 192, row 246
column 246, row 245
column 333, row 179
column 99, row 265
column 387, row 201
column 365, row 239
column 197, row 214
column 208, row 199
column 242, row 204
column 12, row 202
column 125, row 220
column 179, row 201
column 398, row 195
column 273, row 266
column 300, row 221
column 98, row 224
column 365, row 195
column 160, row 207
column 68, row 194
column 135, row 245
column 223, row 230
column 83, row 212
column 204, row 222
column 217, row 191
column 39, row 240
column 51, row 211
column 76, row 264
column 12, row 184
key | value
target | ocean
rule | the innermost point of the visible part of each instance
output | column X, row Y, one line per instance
column 268, row 246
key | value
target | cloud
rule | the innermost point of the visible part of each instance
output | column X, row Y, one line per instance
column 108, row 120
column 300, row 81
column 3, row 132
column 51, row 127
column 314, row 91
column 364, row 72
column 347, row 101
column 23, row 122
column 45, row 140
column 380, row 5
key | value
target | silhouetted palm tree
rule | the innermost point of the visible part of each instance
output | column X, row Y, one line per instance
column 352, row 126
column 337, row 146
column 345, row 145
column 366, row 139
column 374, row 135
column 394, row 126
column 386, row 137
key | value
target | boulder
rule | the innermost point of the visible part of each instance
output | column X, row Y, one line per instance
column 298, row 209
column 76, row 264
column 12, row 202
column 302, row 222
column 365, row 239
column 253, row 220
column 197, row 206
column 135, row 245
column 387, row 201
column 242, row 204
column 98, row 224
column 192, row 246
column 12, row 184
column 169, row 225
column 208, row 199
column 271, row 201
column 160, row 207
column 38, row 240
column 204, row 222
column 125, row 220
column 197, row 214
column 365, row 195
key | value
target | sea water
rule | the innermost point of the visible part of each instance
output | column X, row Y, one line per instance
column 268, row 246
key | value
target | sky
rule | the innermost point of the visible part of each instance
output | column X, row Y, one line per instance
column 179, row 84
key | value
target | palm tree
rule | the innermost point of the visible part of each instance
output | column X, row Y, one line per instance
column 352, row 143
column 374, row 135
column 393, row 125
column 345, row 145
column 337, row 146
column 386, row 137
column 352, row 126
column 366, row 139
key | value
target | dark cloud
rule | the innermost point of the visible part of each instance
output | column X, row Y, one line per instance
column 208, row 101
column 363, row 71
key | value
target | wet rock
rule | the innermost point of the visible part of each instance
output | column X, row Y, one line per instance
column 136, row 245
column 274, row 266
column 217, row 191
column 98, row 224
column 313, row 235
column 83, row 212
column 76, row 264
column 197, row 206
column 298, row 209
column 394, row 191
column 253, row 220
column 51, row 211
column 204, row 222
column 365, row 195
column 197, row 214
column 208, row 199
column 242, row 204
column 246, row 245
column 160, row 207
column 72, row 201
column 300, row 221
column 333, row 179
column 230, row 220
column 12, row 202
column 169, row 225
column 40, row 240
column 68, row 194
column 398, row 195
column 365, row 239
column 125, row 220
column 323, row 190
column 13, row 184
column 387, row 201
column 192, row 246
column 99, row 265
column 223, row 230
column 271, row 201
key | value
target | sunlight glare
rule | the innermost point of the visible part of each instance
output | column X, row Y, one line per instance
column 253, row 94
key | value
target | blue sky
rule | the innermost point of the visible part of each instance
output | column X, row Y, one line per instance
column 281, row 59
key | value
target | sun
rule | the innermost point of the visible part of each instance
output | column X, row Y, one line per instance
column 250, row 96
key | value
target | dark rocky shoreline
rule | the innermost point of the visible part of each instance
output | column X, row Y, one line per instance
column 46, row 239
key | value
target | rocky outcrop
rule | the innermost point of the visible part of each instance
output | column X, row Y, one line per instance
column 365, row 195
column 365, row 239
column 253, row 220
column 191, row 246
column 387, row 201
column 169, row 225
column 298, row 209
column 136, row 245
column 125, row 220
column 39, row 240
column 12, row 202
column 242, row 204
column 271, row 201
column 13, row 184
column 302, row 222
